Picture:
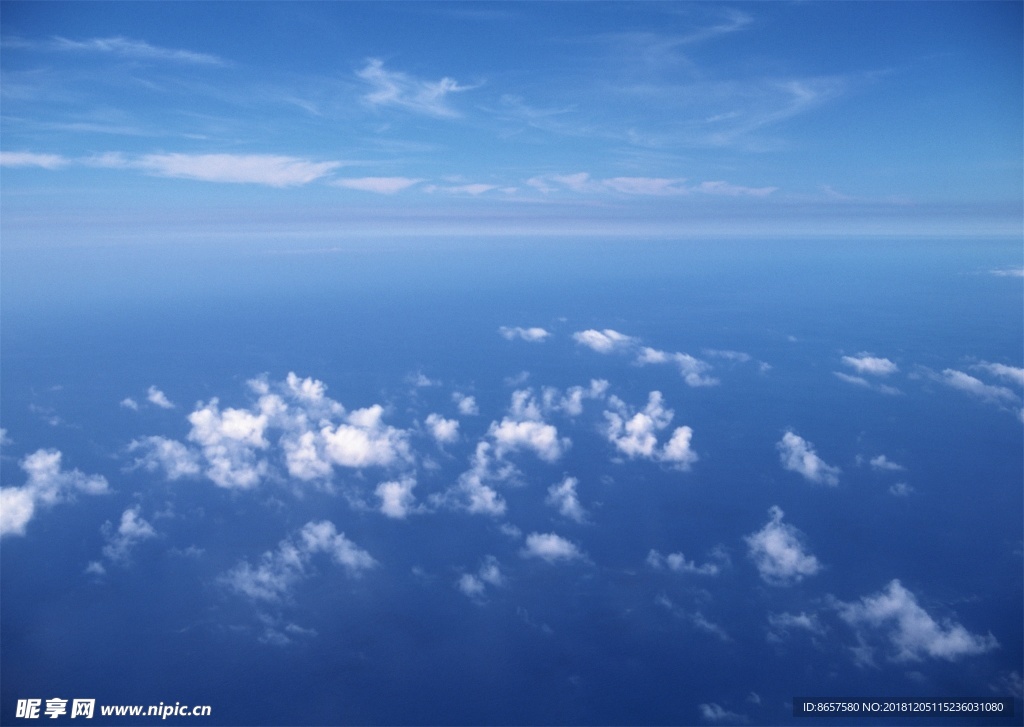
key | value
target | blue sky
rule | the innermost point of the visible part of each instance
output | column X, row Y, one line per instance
column 656, row 118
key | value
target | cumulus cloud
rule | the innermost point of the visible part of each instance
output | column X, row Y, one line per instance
column 172, row 457
column 715, row 713
column 132, row 529
column 465, row 404
column 692, row 369
column 798, row 455
column 881, row 462
column 475, row 585
column 1013, row 374
column 394, row 88
column 129, row 403
column 912, row 634
column 678, row 563
column 279, row 570
column 365, row 441
column 534, row 334
column 396, row 498
column 524, row 428
column 604, row 341
column 635, row 433
column 901, row 489
column 47, row 484
column 864, row 363
column 473, row 491
column 550, row 548
column 571, row 403
column 778, row 553
column 380, row 185
column 444, row 431
column 563, row 496
column 158, row 398
column 230, row 441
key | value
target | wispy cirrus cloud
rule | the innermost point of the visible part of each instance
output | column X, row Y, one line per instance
column 583, row 183
column 134, row 50
column 267, row 169
column 32, row 159
column 379, row 185
column 398, row 89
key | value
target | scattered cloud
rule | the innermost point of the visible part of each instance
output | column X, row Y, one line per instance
column 47, row 484
column 279, row 570
column 265, row 169
column 635, row 433
column 397, row 89
column 129, row 403
column 534, row 335
column 798, row 455
column 130, row 531
column 444, row 431
column 895, row 616
column 864, row 363
column 976, row 387
column 465, row 404
column 380, row 185
column 158, row 398
column 777, row 552
column 604, row 341
column 1008, row 272
column 475, row 585
column 717, row 714
column 864, row 383
column 881, row 462
column 537, row 436
column 692, row 369
column 563, row 496
column 1013, row 374
column 160, row 453
column 550, row 548
column 136, row 50
column 901, row 489
column 782, row 625
column 30, row 159
column 396, row 498
column 678, row 563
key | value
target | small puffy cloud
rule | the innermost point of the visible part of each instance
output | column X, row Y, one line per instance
column 475, row 585
column 470, row 585
column 160, row 453
column 778, row 553
column 881, row 462
column 4, row 439
column 230, row 441
column 279, row 570
column 678, row 563
column 781, row 625
column 912, row 634
column 540, row 438
column 692, row 369
column 604, row 341
column 571, row 403
column 444, row 431
column 393, row 88
column 396, row 498
column 130, row 531
column 635, row 434
column 265, row 169
column 864, row 363
column 534, row 335
column 380, row 185
column 473, row 492
column 901, row 489
column 364, row 441
column 158, row 398
column 563, row 496
column 30, row 159
column 550, row 547
column 465, row 404
column 716, row 714
column 129, row 403
column 976, row 387
column 1013, row 374
column 305, row 456
column 46, row 485
column 798, row 455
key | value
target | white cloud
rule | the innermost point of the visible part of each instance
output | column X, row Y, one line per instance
column 798, row 455
column 1010, row 373
column 46, row 485
column 136, row 50
column 396, row 498
column 473, row 491
column 305, row 456
column 778, row 553
column 30, row 159
column 1008, row 272
column 365, row 441
column 267, row 169
column 864, row 363
column 129, row 403
column 976, row 387
column 541, row 438
column 489, row 574
column 279, row 570
column 881, row 462
column 465, row 404
column 604, row 341
column 716, row 713
column 444, row 431
column 159, row 398
column 739, row 356
column 563, row 496
column 634, row 434
column 781, row 625
column 678, row 563
column 131, row 530
column 534, row 335
column 550, row 547
column 380, row 185
column 733, row 190
column 230, row 440
column 647, row 186
column 4, row 439
column 470, row 585
column 174, row 458
column 393, row 88
column 692, row 369
column 571, row 403
column 911, row 632
column 901, row 489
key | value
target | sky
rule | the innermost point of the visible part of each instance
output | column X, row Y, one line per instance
column 510, row 363
column 651, row 118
